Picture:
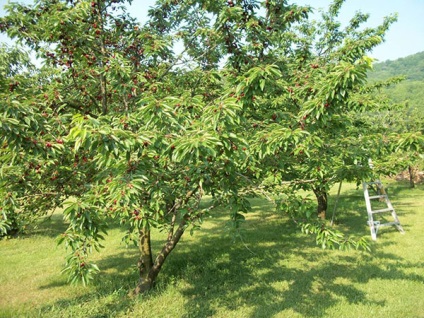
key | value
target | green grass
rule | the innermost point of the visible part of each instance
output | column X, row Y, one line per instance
column 275, row 272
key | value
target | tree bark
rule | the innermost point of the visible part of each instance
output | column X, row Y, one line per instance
column 322, row 200
column 411, row 171
column 145, row 263
column 149, row 270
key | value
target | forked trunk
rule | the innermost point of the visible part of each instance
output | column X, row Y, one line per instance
column 322, row 200
column 148, row 269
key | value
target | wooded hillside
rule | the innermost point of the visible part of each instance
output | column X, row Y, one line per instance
column 411, row 90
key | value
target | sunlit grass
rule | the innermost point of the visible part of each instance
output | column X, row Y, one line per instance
column 274, row 272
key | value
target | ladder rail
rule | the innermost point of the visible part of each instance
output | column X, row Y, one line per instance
column 372, row 225
column 382, row 195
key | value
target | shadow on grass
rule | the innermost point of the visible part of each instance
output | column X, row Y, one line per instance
column 50, row 226
column 280, row 270
column 282, row 277
column 106, row 297
column 53, row 225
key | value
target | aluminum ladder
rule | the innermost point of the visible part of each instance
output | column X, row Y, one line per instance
column 381, row 195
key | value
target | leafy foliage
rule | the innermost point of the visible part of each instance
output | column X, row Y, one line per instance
column 115, row 126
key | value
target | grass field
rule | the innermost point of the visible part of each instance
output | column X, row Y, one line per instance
column 275, row 272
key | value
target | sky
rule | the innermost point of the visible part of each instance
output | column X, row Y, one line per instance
column 404, row 38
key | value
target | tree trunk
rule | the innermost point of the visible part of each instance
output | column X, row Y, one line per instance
column 411, row 171
column 145, row 263
column 322, row 199
column 148, row 269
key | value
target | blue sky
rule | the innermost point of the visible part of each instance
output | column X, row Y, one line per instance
column 404, row 38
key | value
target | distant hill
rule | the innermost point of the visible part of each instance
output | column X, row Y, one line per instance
column 410, row 90
column 412, row 66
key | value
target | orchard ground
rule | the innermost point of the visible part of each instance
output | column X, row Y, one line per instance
column 273, row 271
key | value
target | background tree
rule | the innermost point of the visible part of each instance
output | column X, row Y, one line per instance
column 408, row 119
column 322, row 93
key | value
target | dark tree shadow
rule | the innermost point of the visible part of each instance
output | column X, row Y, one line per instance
column 116, row 278
column 54, row 224
column 49, row 226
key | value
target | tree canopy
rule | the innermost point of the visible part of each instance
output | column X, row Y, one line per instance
column 119, row 125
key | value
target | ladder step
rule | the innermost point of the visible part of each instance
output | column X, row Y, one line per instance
column 375, row 182
column 375, row 223
column 389, row 224
column 378, row 196
column 383, row 210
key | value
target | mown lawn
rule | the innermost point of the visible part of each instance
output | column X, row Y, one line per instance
column 274, row 272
